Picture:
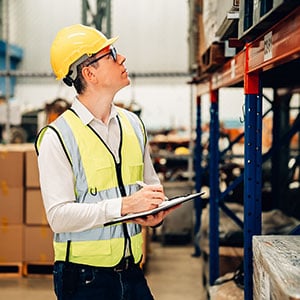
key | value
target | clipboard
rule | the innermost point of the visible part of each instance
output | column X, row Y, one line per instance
column 163, row 206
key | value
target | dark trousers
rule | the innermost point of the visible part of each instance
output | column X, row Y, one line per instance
column 81, row 282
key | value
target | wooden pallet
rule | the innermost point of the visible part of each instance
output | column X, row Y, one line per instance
column 10, row 270
column 37, row 269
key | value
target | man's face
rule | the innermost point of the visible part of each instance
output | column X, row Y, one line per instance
column 110, row 70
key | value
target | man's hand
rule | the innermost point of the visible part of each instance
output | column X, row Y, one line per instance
column 149, row 197
column 153, row 220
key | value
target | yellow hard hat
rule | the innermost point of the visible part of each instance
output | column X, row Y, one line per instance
column 74, row 42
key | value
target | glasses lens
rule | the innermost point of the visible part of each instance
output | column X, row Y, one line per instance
column 113, row 53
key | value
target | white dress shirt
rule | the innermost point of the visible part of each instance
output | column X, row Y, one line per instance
column 57, row 178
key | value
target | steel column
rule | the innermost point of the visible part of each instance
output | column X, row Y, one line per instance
column 214, row 188
column 198, row 177
column 252, row 174
column 198, row 147
column 100, row 18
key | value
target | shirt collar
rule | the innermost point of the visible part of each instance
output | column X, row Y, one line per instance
column 85, row 115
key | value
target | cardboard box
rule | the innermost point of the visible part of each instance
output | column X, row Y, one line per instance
column 11, row 241
column 38, row 244
column 31, row 166
column 12, row 167
column 34, row 208
column 11, row 205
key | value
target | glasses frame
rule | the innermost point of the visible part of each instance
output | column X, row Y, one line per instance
column 112, row 52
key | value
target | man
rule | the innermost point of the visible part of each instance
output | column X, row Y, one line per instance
column 90, row 160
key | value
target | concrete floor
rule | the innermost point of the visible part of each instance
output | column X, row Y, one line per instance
column 171, row 272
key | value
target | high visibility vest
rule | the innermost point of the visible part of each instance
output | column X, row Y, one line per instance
column 97, row 177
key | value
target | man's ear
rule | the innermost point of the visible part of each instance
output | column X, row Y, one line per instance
column 88, row 74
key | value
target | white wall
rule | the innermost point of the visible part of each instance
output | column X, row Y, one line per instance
column 153, row 34
column 34, row 24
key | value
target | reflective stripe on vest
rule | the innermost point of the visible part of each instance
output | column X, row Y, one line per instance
column 96, row 175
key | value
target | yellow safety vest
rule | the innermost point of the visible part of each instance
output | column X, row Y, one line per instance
column 97, row 177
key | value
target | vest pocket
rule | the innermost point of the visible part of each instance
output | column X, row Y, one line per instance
column 100, row 172
column 135, row 172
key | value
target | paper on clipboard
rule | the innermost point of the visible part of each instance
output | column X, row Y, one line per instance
column 163, row 206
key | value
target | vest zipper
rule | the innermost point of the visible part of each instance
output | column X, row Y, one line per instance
column 119, row 178
column 123, row 194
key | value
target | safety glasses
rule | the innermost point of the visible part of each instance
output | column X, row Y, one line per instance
column 112, row 52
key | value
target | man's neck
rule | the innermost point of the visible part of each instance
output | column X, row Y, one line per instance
column 100, row 107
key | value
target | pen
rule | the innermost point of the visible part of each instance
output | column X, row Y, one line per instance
column 143, row 184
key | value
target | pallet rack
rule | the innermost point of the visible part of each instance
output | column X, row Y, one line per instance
column 275, row 47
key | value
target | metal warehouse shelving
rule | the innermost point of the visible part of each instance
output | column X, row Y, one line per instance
column 264, row 61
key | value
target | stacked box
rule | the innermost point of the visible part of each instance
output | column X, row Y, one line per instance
column 38, row 245
column 25, row 235
column 12, row 167
column 31, row 168
column 11, row 238
column 213, row 16
column 209, row 26
column 276, row 263
column 34, row 209
column 36, row 226
column 261, row 8
column 11, row 204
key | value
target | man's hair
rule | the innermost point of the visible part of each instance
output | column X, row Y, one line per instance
column 79, row 82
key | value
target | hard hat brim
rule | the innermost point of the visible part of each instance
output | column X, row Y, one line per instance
column 109, row 42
